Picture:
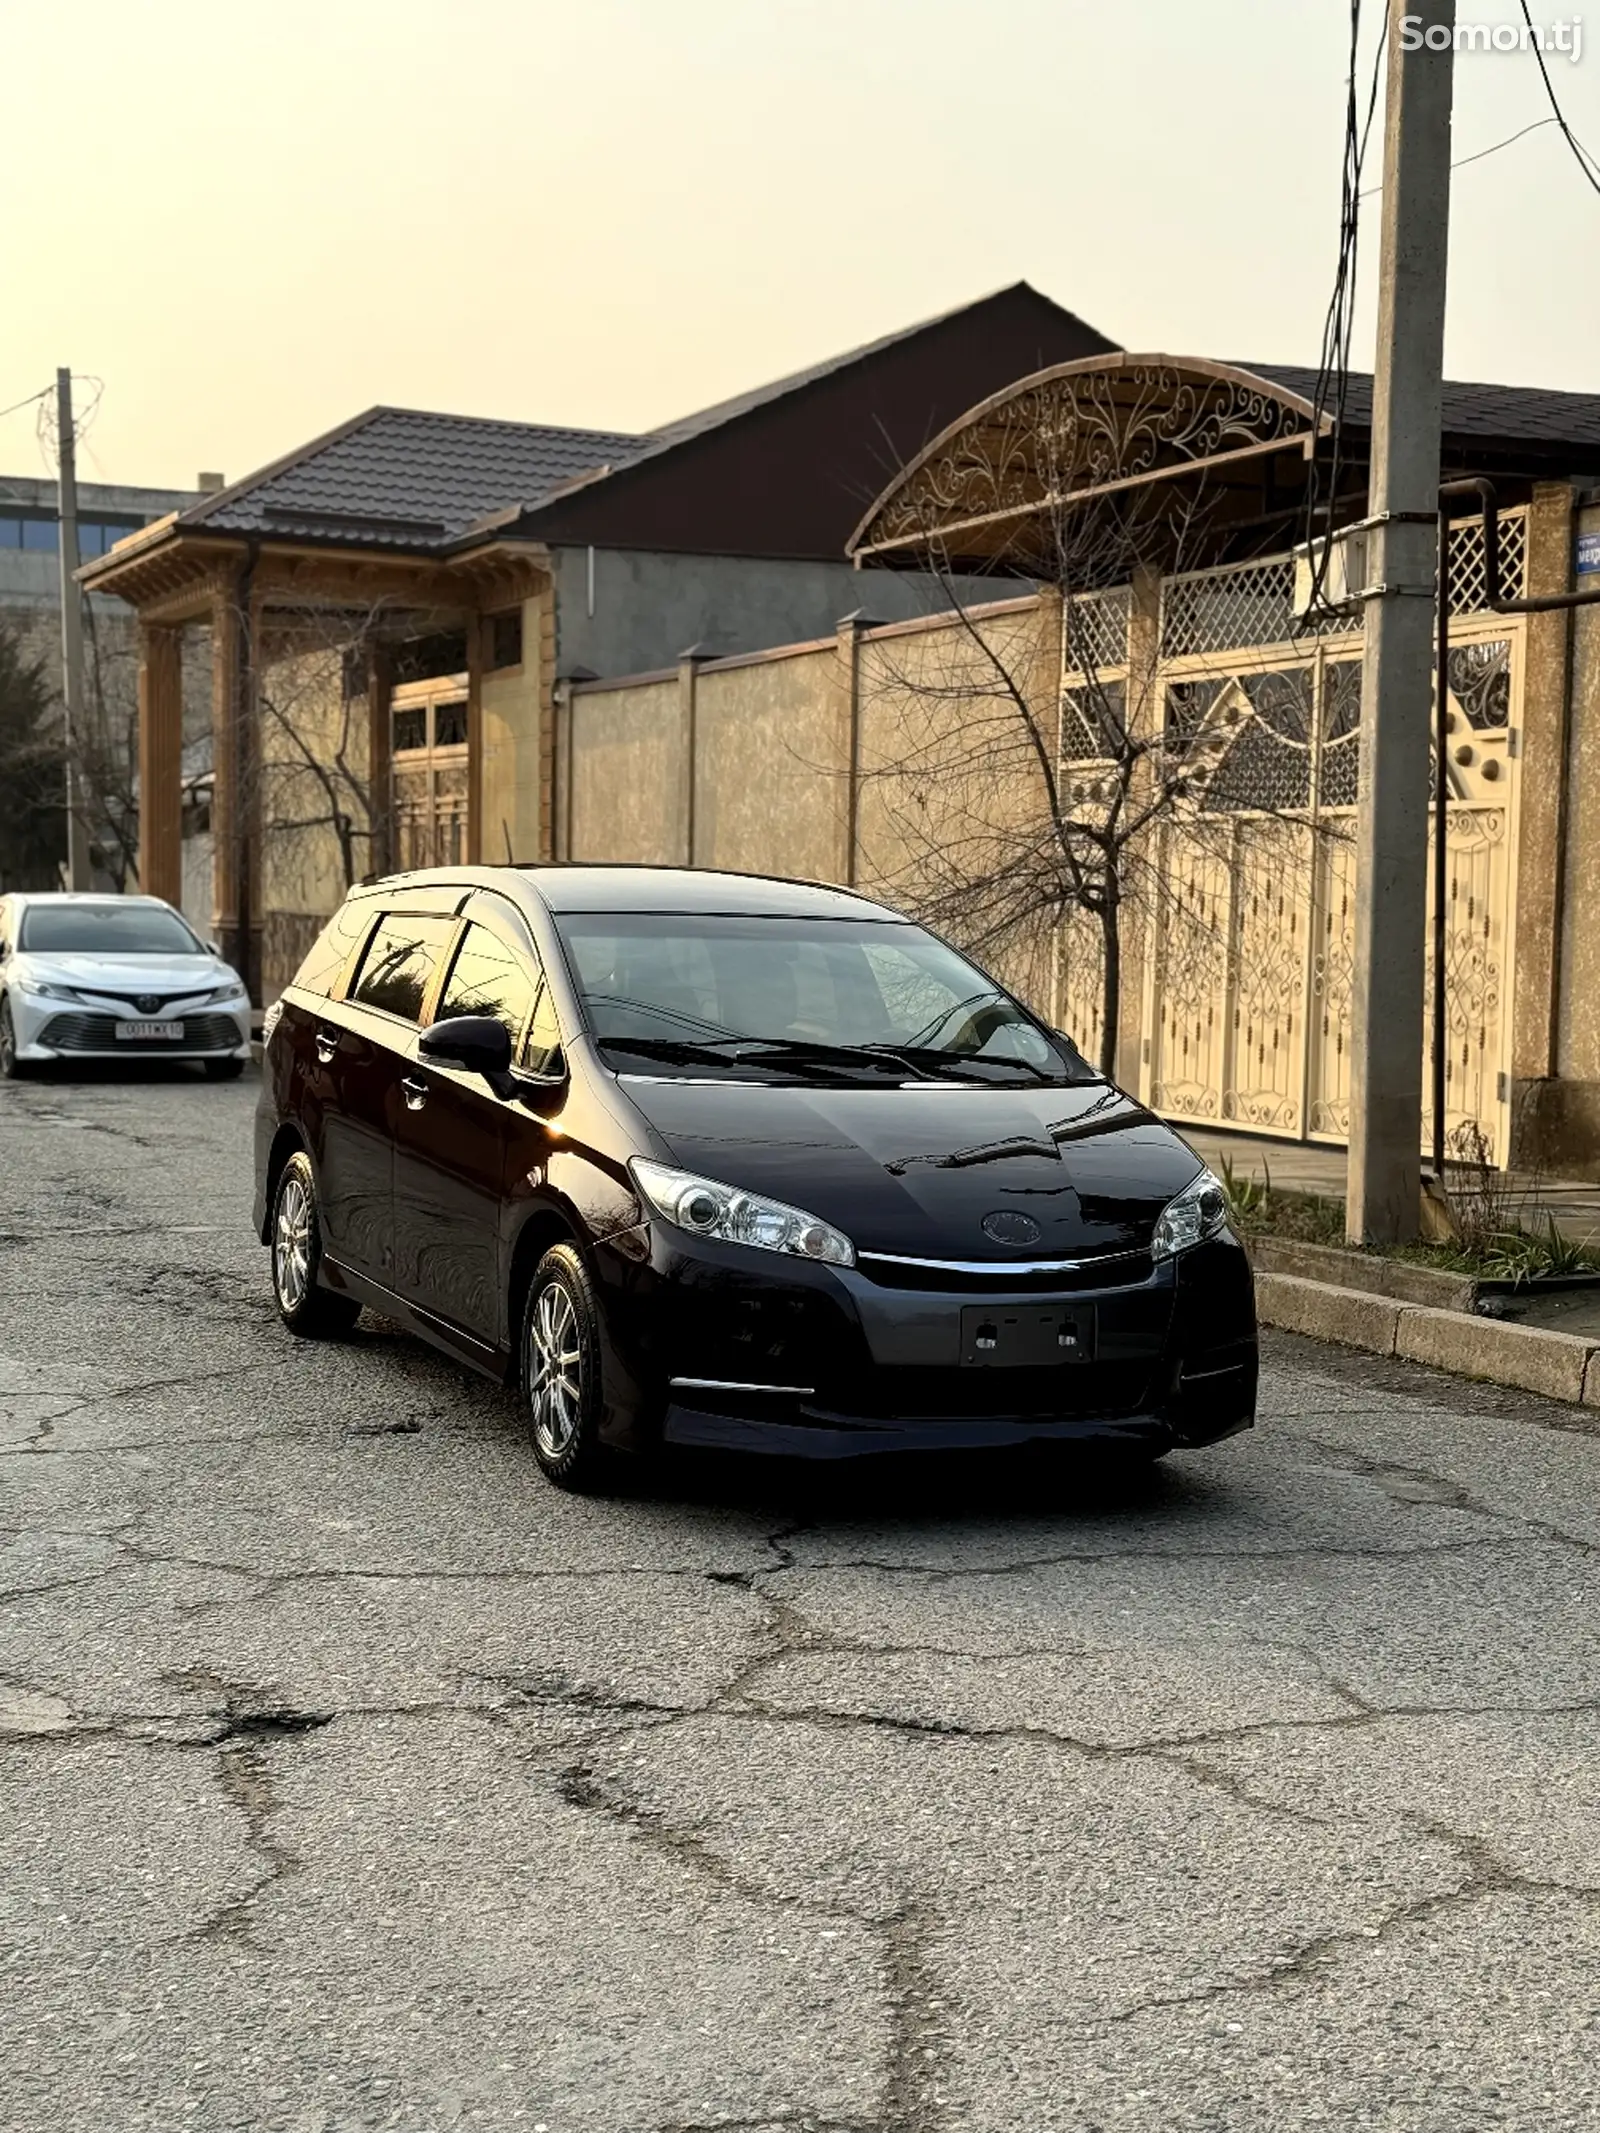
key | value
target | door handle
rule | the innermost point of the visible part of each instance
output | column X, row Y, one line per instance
column 414, row 1091
column 327, row 1045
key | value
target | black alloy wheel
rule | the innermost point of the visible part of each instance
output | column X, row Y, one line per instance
column 561, row 1372
column 305, row 1308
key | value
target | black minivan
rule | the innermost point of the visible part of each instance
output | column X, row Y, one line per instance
column 711, row 1159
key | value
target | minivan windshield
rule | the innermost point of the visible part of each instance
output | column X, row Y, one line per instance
column 105, row 929
column 797, row 999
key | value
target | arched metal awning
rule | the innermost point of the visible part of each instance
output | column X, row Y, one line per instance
column 1103, row 427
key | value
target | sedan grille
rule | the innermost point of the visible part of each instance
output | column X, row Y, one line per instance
column 98, row 1033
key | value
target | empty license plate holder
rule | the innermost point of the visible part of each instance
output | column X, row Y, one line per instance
column 1026, row 1336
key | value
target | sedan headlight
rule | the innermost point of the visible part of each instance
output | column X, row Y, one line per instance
column 42, row 990
column 1199, row 1211
column 233, row 991
column 706, row 1209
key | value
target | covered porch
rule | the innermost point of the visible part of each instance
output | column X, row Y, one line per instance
column 368, row 710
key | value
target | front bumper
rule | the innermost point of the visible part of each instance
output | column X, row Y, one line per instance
column 49, row 1030
column 828, row 1363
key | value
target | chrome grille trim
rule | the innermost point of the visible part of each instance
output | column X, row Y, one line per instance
column 1006, row 1266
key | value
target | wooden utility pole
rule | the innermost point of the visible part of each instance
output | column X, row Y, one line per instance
column 1384, row 1198
column 74, row 718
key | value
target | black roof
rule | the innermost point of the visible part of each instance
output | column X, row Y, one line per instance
column 1498, row 415
column 409, row 479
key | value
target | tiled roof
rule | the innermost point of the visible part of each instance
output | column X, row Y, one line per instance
column 405, row 478
column 401, row 477
column 1507, row 414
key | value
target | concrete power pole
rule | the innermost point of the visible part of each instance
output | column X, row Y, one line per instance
column 1384, row 1202
column 78, row 876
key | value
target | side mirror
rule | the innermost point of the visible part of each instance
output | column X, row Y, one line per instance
column 477, row 1042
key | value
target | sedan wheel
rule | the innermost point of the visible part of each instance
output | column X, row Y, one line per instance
column 561, row 1371
column 303, row 1305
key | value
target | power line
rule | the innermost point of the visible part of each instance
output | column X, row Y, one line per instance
column 1333, row 370
column 1478, row 155
column 16, row 405
column 1586, row 162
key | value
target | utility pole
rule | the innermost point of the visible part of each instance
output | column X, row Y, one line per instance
column 71, row 633
column 1384, row 1196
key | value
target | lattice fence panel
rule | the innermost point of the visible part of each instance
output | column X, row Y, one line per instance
column 1223, row 610
column 1469, row 578
column 1095, row 630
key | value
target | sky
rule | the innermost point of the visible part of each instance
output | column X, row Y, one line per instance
column 246, row 224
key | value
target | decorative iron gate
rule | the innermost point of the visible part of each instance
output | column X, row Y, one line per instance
column 1248, row 978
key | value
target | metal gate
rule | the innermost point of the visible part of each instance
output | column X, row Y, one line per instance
column 1248, row 977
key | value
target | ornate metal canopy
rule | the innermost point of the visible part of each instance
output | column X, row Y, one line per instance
column 1085, row 430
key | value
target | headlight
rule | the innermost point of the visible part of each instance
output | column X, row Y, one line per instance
column 42, row 991
column 707, row 1209
column 234, row 991
column 270, row 1020
column 1199, row 1211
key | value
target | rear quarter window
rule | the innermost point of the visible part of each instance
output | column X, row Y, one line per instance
column 330, row 951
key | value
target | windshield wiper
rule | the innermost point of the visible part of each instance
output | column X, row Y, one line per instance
column 793, row 1053
column 672, row 1051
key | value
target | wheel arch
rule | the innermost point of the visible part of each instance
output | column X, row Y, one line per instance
column 287, row 1141
column 546, row 1225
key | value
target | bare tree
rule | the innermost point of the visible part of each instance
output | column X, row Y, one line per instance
column 311, row 683
column 32, row 772
column 1031, row 760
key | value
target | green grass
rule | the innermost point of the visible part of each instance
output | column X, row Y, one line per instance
column 1517, row 1254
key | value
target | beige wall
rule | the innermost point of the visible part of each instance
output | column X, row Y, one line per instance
column 304, row 711
column 512, row 780
column 628, row 764
column 772, row 742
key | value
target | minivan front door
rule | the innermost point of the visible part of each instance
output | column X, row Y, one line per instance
column 456, row 1138
column 371, row 1060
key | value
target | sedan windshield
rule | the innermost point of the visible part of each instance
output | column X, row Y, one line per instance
column 797, row 999
column 105, row 929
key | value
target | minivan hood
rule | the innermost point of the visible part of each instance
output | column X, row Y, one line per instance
column 915, row 1171
column 127, row 975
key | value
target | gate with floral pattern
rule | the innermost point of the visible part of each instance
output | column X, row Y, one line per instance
column 1248, row 978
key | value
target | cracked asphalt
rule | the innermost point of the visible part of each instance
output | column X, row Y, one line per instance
column 351, row 1777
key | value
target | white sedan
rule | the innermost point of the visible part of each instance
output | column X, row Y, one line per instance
column 114, row 977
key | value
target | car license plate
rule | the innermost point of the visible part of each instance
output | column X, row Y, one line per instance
column 1026, row 1335
column 137, row 1032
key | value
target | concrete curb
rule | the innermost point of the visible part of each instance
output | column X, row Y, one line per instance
column 1561, row 1366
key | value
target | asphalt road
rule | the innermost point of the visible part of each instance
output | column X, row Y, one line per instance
column 353, row 1777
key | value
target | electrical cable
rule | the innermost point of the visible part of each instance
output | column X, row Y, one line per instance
column 17, row 405
column 1333, row 371
column 1586, row 162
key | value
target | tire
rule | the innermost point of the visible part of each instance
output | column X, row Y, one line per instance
column 222, row 1069
column 11, row 1067
column 562, row 1372
column 296, row 1232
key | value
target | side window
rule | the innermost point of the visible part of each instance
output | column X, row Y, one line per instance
column 488, row 978
column 400, row 961
column 331, row 948
column 542, row 1052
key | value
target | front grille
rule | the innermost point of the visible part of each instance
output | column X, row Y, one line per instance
column 1123, row 1271
column 1060, row 1392
column 98, row 1033
column 137, row 1003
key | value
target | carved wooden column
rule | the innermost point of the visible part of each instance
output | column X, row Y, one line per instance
column 161, row 761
